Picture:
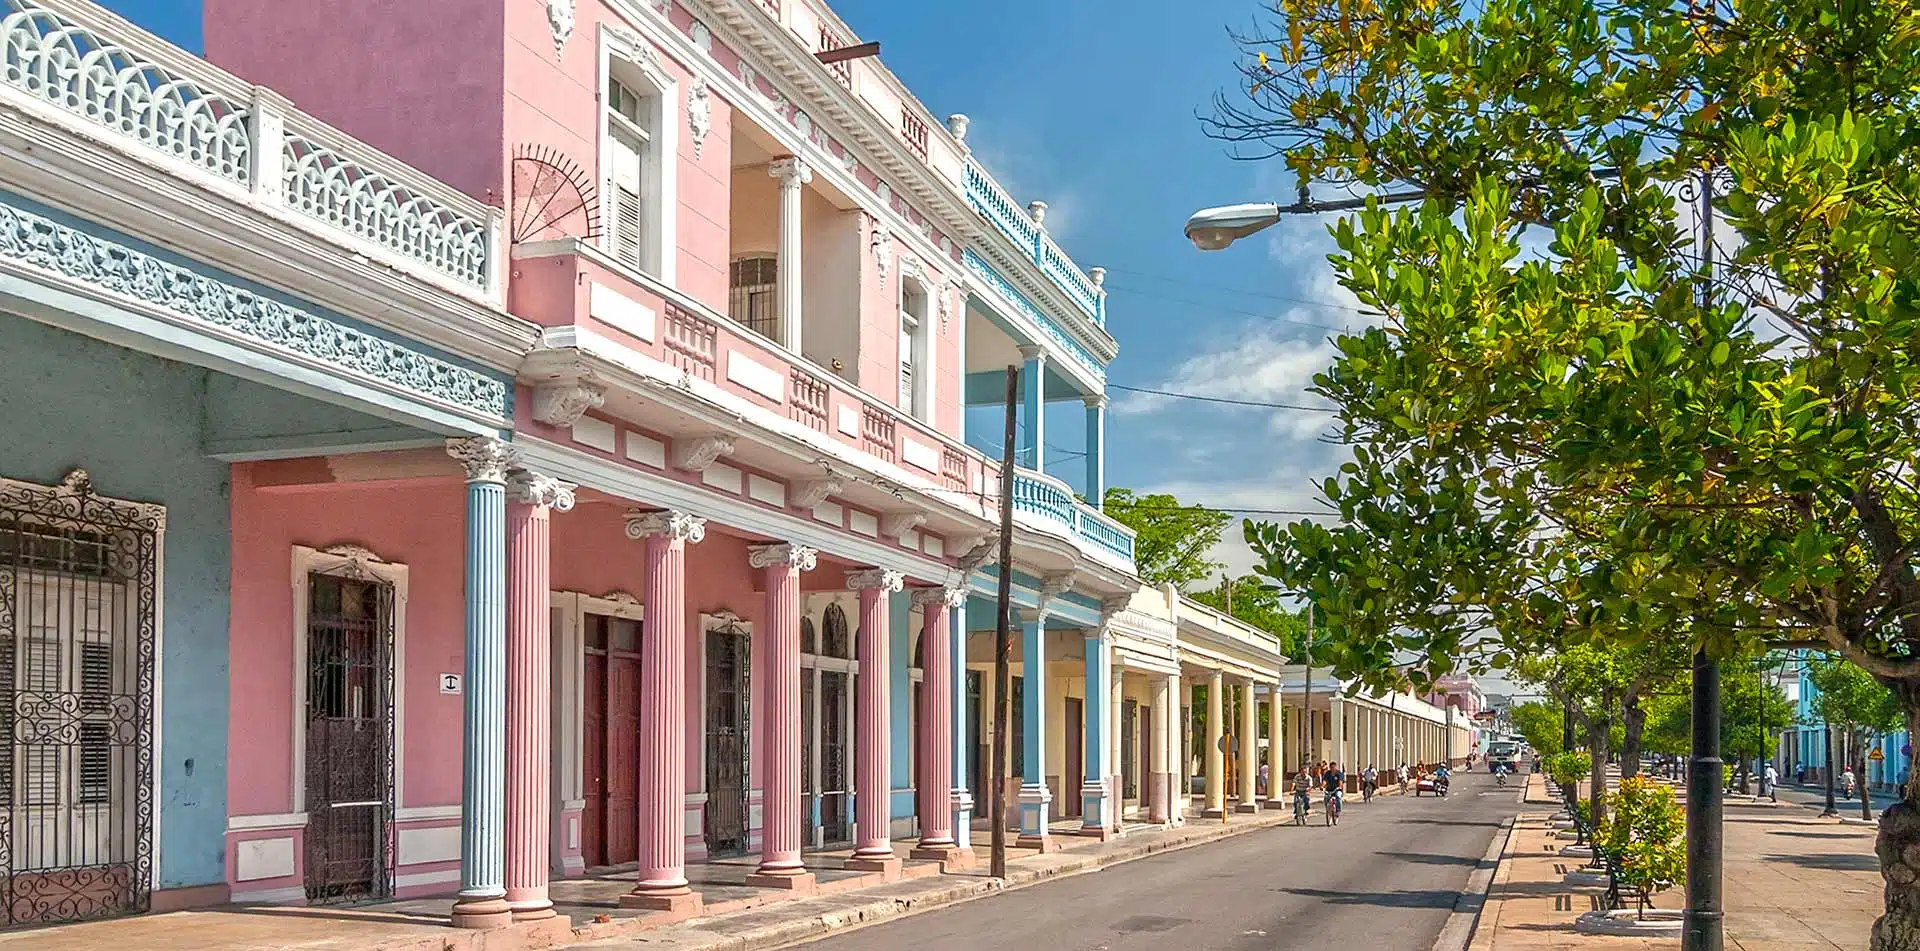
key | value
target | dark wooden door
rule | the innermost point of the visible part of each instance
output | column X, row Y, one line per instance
column 593, row 821
column 1076, row 751
column 611, row 724
column 1143, row 724
column 623, row 756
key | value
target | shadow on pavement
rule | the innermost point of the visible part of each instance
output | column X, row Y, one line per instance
column 1815, row 835
column 1428, row 898
column 1833, row 862
column 1423, row 858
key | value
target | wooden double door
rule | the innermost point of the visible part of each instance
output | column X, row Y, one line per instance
column 610, row 752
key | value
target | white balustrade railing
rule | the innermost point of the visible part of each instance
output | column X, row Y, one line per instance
column 82, row 60
column 1050, row 498
column 991, row 201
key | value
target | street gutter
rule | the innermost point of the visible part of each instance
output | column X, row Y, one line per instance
column 1461, row 925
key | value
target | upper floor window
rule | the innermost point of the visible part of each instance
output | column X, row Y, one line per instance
column 916, row 376
column 636, row 156
column 753, row 294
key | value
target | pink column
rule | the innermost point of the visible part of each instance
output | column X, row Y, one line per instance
column 777, row 715
column 873, row 848
column 934, row 781
column 661, row 880
column 529, row 691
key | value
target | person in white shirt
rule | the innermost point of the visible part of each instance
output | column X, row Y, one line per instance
column 1770, row 778
column 1846, row 782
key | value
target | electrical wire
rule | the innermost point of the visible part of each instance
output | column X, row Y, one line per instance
column 1239, row 311
column 1221, row 399
column 1308, row 301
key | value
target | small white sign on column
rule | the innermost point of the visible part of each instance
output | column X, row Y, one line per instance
column 450, row 683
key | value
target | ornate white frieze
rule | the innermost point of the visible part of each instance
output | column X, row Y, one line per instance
column 484, row 459
column 809, row 494
column 532, row 488
column 896, row 524
column 910, row 267
column 696, row 453
column 949, row 595
column 213, row 306
column 783, row 554
column 884, row 579
column 560, row 24
column 699, row 114
column 678, row 526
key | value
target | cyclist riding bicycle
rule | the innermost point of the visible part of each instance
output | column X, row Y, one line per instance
column 1334, row 780
column 1302, row 803
column 1369, row 782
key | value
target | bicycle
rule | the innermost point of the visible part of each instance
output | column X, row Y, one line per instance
column 1299, row 809
column 1367, row 790
column 1499, row 777
column 1333, row 808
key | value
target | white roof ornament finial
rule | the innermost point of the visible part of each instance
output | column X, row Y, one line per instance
column 1038, row 209
column 957, row 127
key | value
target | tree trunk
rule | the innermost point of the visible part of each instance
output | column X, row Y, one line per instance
column 1635, row 726
column 1597, row 744
column 1898, row 847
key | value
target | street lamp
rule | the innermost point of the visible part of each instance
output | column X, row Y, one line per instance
column 1213, row 229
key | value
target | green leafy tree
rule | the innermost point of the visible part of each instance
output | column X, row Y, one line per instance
column 1851, row 699
column 1733, row 443
column 1172, row 541
column 1539, row 724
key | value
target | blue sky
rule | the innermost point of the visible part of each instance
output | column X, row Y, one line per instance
column 1091, row 105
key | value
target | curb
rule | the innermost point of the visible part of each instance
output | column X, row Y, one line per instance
column 737, row 932
column 1461, row 926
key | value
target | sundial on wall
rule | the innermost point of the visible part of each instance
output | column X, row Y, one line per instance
column 552, row 197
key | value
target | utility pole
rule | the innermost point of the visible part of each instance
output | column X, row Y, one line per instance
column 1307, row 703
column 1003, row 640
column 1704, row 927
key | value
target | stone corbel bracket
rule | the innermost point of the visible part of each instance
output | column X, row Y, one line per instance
column 564, row 387
column 896, row 525
column 697, row 453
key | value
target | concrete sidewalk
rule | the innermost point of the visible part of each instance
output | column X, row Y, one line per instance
column 1794, row 882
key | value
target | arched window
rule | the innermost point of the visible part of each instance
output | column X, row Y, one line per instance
column 836, row 639
column 806, row 635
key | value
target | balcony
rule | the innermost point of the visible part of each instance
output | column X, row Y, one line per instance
column 131, row 87
column 1049, row 500
column 992, row 202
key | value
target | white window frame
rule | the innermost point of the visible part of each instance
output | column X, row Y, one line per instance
column 916, row 328
column 347, row 560
column 632, row 61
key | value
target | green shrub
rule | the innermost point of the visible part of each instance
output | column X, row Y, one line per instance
column 1646, row 836
column 1567, row 769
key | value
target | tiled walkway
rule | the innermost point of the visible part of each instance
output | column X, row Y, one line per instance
column 1794, row 882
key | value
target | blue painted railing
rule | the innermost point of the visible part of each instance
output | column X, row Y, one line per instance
column 990, row 200
column 1048, row 498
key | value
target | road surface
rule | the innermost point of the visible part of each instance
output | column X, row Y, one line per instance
column 1386, row 877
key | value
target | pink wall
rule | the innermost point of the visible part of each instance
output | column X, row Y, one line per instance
column 421, row 80
column 419, row 523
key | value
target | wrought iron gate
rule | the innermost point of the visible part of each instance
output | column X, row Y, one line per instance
column 349, row 755
column 727, row 726
column 1129, row 760
column 79, row 577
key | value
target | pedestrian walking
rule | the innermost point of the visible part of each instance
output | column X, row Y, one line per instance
column 1266, row 775
column 1770, row 782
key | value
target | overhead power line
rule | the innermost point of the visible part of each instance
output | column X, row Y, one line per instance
column 1221, row 399
column 1289, row 298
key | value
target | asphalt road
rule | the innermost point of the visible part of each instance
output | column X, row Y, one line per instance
column 1387, row 877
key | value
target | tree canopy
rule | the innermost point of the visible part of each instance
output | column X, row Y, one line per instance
column 1540, row 725
column 1172, row 541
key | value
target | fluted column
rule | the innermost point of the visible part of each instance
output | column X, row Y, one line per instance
column 530, row 690
column 1249, row 750
column 1216, row 756
column 962, row 797
column 660, row 882
column 1035, row 798
column 1166, row 715
column 1276, row 749
column 482, row 901
column 872, row 773
column 778, row 690
column 792, row 174
column 933, row 787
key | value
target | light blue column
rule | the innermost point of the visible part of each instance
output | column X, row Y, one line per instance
column 1034, row 796
column 482, row 897
column 1033, row 389
column 1093, row 791
column 1097, row 451
column 900, row 701
column 962, row 797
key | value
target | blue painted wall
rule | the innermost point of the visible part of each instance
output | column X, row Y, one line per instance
column 900, row 702
column 132, row 422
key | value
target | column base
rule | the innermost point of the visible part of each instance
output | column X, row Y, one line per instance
column 887, row 864
column 933, row 851
column 482, row 911
column 1213, row 812
column 682, row 900
column 1246, row 807
column 798, row 881
column 1275, row 805
column 539, row 910
column 1103, row 833
column 1039, row 843
column 953, row 860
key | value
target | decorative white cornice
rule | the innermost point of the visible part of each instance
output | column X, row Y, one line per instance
column 950, row 596
column 812, row 492
column 484, row 459
column 883, row 579
column 696, row 453
column 783, row 554
column 560, row 23
column 898, row 524
column 532, row 488
column 791, row 171
column 676, row 526
column 699, row 114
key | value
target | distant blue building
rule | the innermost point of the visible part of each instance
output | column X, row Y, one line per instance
column 1805, row 745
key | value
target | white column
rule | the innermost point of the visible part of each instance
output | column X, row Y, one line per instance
column 1249, row 733
column 793, row 174
column 1337, row 732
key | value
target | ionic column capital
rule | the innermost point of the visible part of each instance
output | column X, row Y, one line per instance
column 882, row 579
column 484, row 459
column 531, row 488
column 791, row 171
column 789, row 555
column 676, row 526
column 949, row 597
